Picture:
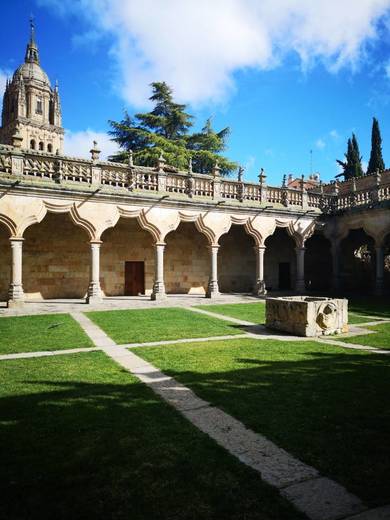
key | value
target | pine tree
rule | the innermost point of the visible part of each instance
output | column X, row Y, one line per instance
column 352, row 166
column 376, row 160
column 166, row 130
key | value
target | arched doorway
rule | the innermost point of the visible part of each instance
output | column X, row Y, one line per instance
column 357, row 261
column 236, row 261
column 186, row 261
column 318, row 263
column 280, row 261
column 56, row 259
column 5, row 262
column 126, row 259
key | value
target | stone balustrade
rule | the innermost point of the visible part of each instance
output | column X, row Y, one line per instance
column 327, row 198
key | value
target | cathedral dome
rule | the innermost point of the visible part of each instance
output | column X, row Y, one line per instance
column 32, row 71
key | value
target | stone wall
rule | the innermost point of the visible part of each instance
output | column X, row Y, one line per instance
column 318, row 263
column 236, row 261
column 187, row 261
column 280, row 248
column 56, row 259
column 126, row 242
column 5, row 263
column 357, row 262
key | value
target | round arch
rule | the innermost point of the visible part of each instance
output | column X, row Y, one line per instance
column 318, row 263
column 280, row 260
column 5, row 261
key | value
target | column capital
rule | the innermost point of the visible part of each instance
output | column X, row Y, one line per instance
column 156, row 244
column 259, row 248
column 96, row 242
column 213, row 246
column 16, row 239
column 300, row 248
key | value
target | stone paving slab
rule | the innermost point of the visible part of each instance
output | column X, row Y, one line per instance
column 379, row 513
column 186, row 340
column 45, row 353
column 221, row 316
column 323, row 499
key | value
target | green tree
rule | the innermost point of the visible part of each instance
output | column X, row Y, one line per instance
column 376, row 159
column 166, row 130
column 352, row 166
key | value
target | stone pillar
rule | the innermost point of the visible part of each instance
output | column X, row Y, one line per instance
column 15, row 293
column 260, row 289
column 335, row 266
column 300, row 279
column 159, row 286
column 94, row 290
column 213, row 289
column 380, row 266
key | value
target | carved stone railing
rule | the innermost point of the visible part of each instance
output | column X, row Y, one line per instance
column 327, row 198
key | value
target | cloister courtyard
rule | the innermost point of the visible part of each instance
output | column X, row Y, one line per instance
column 185, row 409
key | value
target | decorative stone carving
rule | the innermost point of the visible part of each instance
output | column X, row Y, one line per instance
column 307, row 316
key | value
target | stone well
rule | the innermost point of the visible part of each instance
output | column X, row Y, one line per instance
column 306, row 315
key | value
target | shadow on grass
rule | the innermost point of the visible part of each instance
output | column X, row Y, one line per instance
column 113, row 451
column 330, row 410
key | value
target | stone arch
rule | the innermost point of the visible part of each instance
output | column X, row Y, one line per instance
column 237, row 260
column 56, row 258
column 357, row 260
column 125, row 244
column 5, row 261
column 318, row 263
column 186, row 260
column 280, row 259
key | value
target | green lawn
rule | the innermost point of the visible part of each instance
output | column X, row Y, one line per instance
column 43, row 332
column 328, row 406
column 370, row 306
column 380, row 339
column 254, row 312
column 355, row 319
column 144, row 325
column 81, row 438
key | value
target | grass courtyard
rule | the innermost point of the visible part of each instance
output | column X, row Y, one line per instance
column 80, row 422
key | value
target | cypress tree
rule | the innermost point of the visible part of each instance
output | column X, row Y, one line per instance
column 352, row 166
column 376, row 160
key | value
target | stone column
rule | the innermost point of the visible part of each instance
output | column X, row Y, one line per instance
column 380, row 266
column 159, row 286
column 260, row 289
column 15, row 293
column 94, row 290
column 335, row 266
column 300, row 279
column 213, row 289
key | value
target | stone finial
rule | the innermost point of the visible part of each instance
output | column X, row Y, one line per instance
column 302, row 183
column 161, row 163
column 130, row 159
column 216, row 170
column 190, row 165
column 94, row 151
column 17, row 139
column 262, row 177
column 284, row 183
column 240, row 173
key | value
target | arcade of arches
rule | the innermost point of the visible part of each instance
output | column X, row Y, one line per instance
column 56, row 261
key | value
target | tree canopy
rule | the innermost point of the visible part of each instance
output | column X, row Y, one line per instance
column 166, row 130
column 352, row 166
column 376, row 159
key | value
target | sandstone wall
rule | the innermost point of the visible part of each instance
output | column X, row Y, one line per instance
column 127, row 241
column 56, row 259
column 187, row 261
column 236, row 261
column 5, row 263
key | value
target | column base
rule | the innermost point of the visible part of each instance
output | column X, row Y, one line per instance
column 212, row 290
column 93, row 299
column 95, row 294
column 15, row 296
column 158, row 291
column 15, row 304
column 300, row 286
column 260, row 288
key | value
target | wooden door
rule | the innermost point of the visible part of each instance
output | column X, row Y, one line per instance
column 134, row 278
column 284, row 276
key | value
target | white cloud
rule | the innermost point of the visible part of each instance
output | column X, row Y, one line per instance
column 197, row 45
column 334, row 134
column 78, row 144
column 320, row 144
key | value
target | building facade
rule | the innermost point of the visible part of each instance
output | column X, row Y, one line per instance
column 74, row 228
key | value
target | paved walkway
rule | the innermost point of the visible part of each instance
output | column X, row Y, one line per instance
column 319, row 497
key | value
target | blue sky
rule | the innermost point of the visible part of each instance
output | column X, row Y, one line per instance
column 287, row 77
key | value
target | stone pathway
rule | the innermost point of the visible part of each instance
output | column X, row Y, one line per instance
column 318, row 497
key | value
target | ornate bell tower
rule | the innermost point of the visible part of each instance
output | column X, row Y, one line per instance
column 31, row 107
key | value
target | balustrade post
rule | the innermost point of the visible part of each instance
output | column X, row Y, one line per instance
column 300, row 278
column 213, row 289
column 159, row 285
column 380, row 267
column 260, row 288
column 94, row 290
column 16, row 293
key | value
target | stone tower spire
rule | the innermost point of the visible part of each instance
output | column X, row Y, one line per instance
column 32, row 106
